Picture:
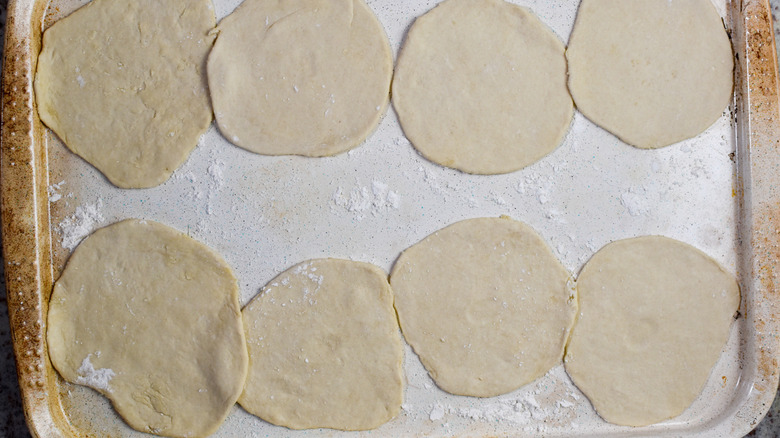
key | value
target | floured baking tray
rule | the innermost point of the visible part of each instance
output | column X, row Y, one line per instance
column 719, row 192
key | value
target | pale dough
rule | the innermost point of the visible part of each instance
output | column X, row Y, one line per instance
column 654, row 316
column 150, row 318
column 485, row 305
column 300, row 77
column 480, row 86
column 652, row 72
column 324, row 347
column 123, row 84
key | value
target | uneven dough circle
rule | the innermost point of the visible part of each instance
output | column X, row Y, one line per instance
column 300, row 77
column 324, row 348
column 480, row 86
column 150, row 318
column 654, row 316
column 652, row 72
column 485, row 305
column 123, row 84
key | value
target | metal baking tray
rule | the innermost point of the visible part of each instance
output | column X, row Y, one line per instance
column 718, row 192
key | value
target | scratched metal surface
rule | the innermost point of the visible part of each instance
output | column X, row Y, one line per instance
column 267, row 213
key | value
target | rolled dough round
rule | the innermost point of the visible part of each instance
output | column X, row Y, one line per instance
column 652, row 72
column 150, row 318
column 123, row 84
column 654, row 316
column 480, row 86
column 324, row 348
column 485, row 305
column 300, row 77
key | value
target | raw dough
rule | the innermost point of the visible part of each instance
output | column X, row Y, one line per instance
column 324, row 348
column 485, row 304
column 652, row 72
column 654, row 316
column 480, row 86
column 300, row 77
column 122, row 83
column 150, row 318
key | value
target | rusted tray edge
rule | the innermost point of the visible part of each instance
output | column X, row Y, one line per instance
column 27, row 239
column 758, row 174
column 25, row 222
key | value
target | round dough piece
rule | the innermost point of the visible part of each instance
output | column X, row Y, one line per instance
column 300, row 77
column 480, row 86
column 652, row 72
column 485, row 305
column 123, row 84
column 324, row 348
column 654, row 316
column 150, row 318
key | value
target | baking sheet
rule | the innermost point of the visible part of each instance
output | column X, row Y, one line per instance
column 264, row 214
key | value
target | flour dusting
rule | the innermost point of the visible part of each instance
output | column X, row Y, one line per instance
column 54, row 194
column 635, row 201
column 95, row 378
column 216, row 173
column 437, row 413
column 74, row 228
column 551, row 403
column 361, row 200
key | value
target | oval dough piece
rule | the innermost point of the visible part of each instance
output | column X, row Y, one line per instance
column 123, row 84
column 485, row 305
column 480, row 86
column 324, row 348
column 652, row 72
column 300, row 77
column 150, row 318
column 654, row 316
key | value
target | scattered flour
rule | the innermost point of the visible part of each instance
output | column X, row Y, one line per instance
column 216, row 173
column 635, row 201
column 189, row 176
column 217, row 179
column 537, row 186
column 98, row 379
column 307, row 271
column 363, row 199
column 454, row 189
column 498, row 199
column 77, row 226
column 437, row 413
column 550, row 404
column 54, row 189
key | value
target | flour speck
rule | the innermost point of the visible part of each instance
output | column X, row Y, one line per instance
column 95, row 378
column 77, row 226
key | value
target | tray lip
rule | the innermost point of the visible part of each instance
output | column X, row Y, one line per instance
column 26, row 230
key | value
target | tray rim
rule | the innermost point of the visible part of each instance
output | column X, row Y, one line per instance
column 26, row 237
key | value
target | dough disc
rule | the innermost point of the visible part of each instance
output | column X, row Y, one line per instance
column 485, row 305
column 300, row 77
column 652, row 72
column 150, row 318
column 122, row 83
column 324, row 348
column 654, row 316
column 480, row 86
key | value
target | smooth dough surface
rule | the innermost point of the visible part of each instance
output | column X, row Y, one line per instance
column 480, row 86
column 300, row 77
column 654, row 316
column 652, row 72
column 123, row 84
column 324, row 348
column 150, row 318
column 485, row 305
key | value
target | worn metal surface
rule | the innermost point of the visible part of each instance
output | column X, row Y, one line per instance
column 266, row 213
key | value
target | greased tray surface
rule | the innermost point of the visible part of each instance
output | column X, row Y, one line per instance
column 264, row 214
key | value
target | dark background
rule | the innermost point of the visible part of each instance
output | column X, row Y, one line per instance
column 12, row 423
